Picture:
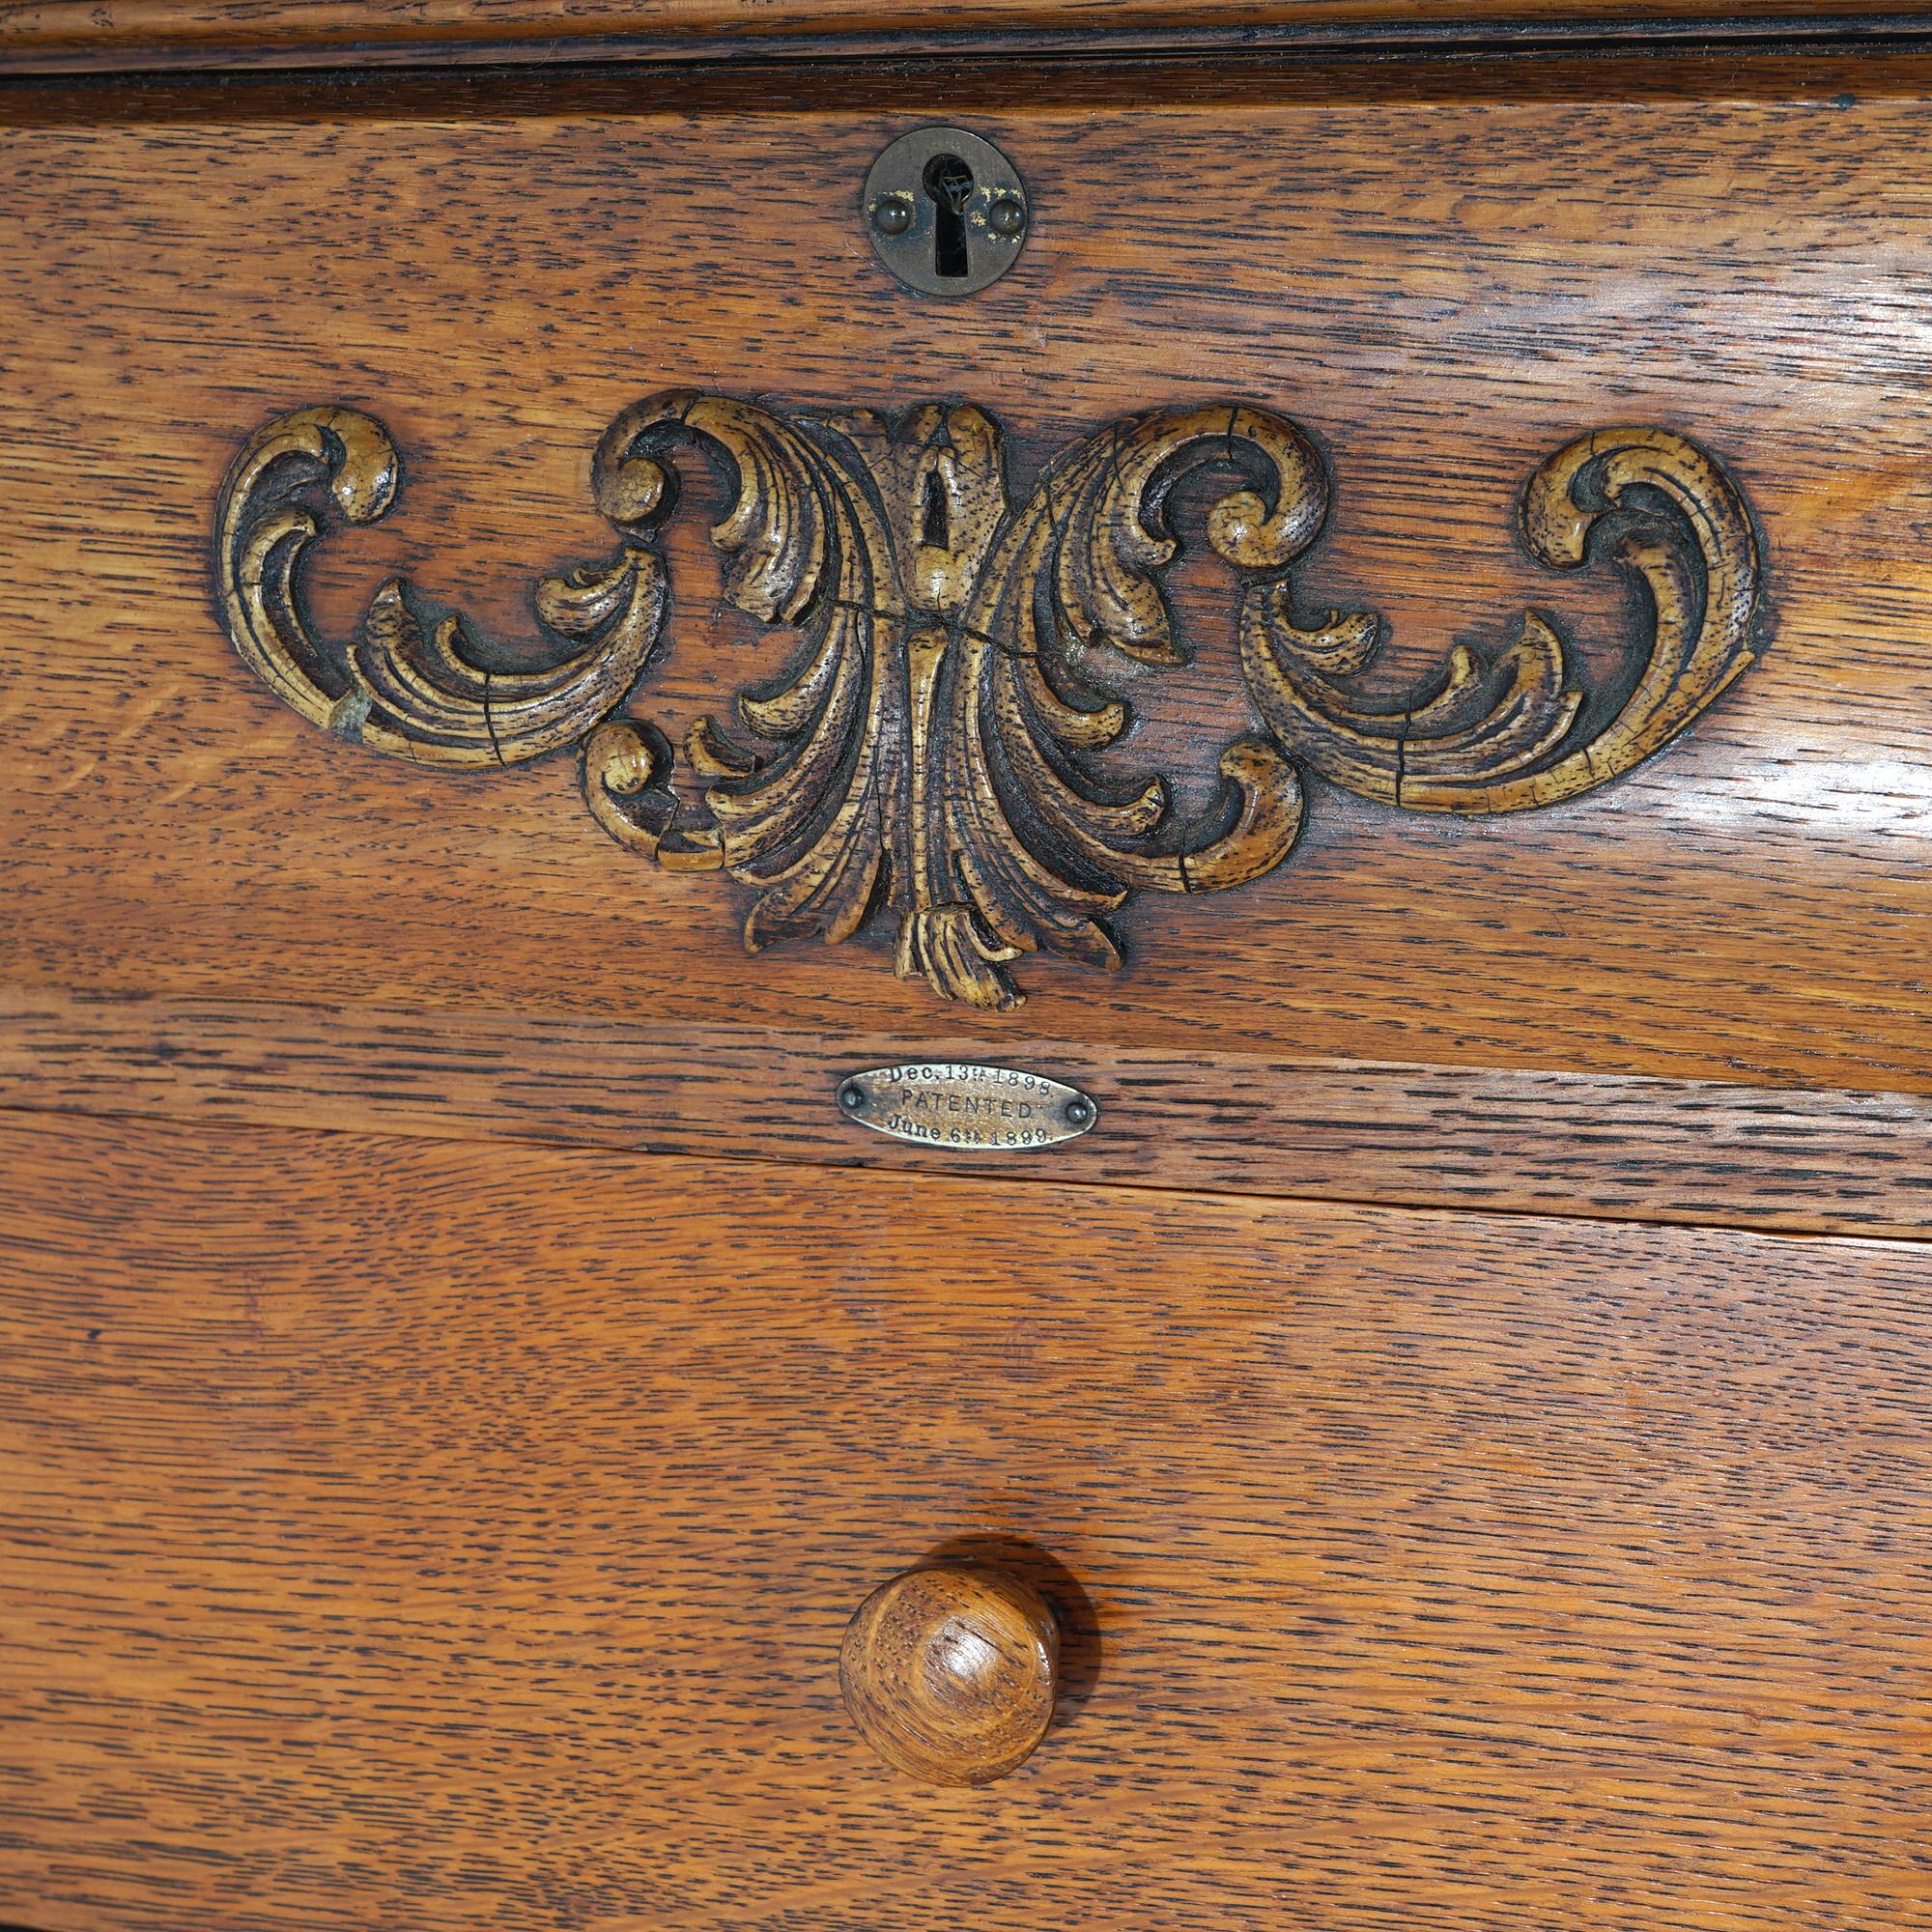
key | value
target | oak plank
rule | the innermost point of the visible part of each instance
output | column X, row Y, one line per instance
column 1495, row 1139
column 394, row 1532
column 1747, row 907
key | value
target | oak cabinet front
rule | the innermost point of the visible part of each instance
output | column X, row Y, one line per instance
column 964, row 983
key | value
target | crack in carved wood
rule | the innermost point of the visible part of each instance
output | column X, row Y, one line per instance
column 929, row 746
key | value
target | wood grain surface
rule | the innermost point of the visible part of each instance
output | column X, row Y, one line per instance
column 57, row 35
column 455, row 1531
column 1497, row 1139
column 391, row 1535
column 1442, row 275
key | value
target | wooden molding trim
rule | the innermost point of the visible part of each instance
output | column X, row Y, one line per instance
column 932, row 750
column 62, row 35
column 1501, row 1140
column 812, row 78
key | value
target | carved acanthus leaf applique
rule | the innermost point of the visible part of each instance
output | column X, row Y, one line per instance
column 929, row 748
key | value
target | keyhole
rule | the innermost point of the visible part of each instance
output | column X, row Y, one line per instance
column 949, row 184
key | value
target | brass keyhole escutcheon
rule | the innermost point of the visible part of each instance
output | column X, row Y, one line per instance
column 945, row 211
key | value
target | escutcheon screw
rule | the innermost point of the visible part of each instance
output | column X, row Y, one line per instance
column 891, row 215
column 1007, row 215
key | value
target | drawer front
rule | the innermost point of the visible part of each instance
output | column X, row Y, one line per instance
column 1693, row 989
column 1437, row 280
column 398, row 1533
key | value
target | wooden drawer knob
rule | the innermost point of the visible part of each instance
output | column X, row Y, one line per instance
column 950, row 1673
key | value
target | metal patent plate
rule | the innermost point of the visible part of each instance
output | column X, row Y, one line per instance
column 958, row 1105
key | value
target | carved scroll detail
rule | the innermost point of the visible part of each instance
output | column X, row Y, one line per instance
column 404, row 688
column 1501, row 736
column 930, row 747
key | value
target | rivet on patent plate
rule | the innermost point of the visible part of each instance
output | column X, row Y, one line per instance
column 957, row 1104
